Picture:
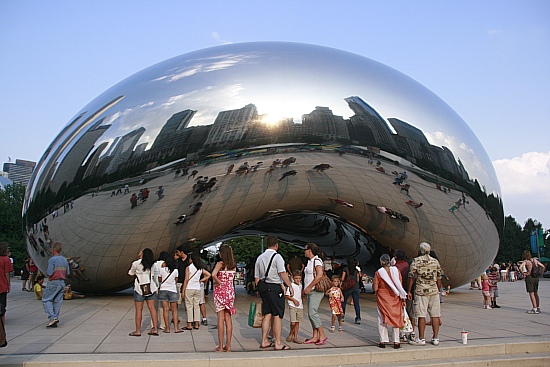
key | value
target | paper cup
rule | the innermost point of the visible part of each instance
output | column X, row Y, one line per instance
column 464, row 335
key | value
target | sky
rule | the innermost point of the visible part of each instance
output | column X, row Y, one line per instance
column 489, row 60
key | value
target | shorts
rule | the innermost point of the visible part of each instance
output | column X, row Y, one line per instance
column 4, row 299
column 486, row 293
column 296, row 314
column 273, row 300
column 427, row 305
column 494, row 293
column 169, row 296
column 140, row 298
column 201, row 297
column 409, row 307
column 532, row 284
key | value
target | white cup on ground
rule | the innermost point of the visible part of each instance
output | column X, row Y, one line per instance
column 464, row 335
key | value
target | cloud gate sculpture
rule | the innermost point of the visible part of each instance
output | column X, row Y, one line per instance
column 309, row 143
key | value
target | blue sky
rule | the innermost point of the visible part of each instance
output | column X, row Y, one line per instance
column 489, row 60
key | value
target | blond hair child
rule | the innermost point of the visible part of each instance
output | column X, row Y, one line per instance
column 485, row 289
column 335, row 298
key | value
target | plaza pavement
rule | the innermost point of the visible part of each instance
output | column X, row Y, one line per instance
column 94, row 331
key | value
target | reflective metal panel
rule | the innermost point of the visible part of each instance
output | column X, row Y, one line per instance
column 310, row 143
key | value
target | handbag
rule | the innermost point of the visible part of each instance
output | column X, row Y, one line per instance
column 262, row 285
column 146, row 287
column 407, row 326
column 348, row 283
column 324, row 284
column 255, row 316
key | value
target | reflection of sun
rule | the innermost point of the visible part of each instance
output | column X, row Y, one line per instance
column 271, row 119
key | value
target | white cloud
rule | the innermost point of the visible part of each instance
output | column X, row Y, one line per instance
column 525, row 183
column 218, row 38
column 494, row 31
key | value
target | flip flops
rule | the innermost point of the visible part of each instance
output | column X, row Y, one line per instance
column 133, row 333
column 285, row 347
column 271, row 345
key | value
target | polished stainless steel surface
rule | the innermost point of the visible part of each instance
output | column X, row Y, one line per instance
column 337, row 114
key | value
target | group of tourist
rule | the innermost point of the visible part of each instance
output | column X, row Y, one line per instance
column 177, row 277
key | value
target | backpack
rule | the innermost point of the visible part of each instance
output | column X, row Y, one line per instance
column 536, row 270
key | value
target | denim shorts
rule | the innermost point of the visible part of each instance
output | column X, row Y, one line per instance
column 165, row 295
column 139, row 298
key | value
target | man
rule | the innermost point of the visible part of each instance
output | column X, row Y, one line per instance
column 5, row 269
column 273, row 299
column 425, row 274
column 531, row 282
column 58, row 268
column 404, row 267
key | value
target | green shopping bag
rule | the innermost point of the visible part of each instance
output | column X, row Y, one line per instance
column 255, row 316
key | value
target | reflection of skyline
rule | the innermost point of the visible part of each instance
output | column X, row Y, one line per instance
column 245, row 126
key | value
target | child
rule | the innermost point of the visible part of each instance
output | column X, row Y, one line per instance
column 485, row 291
column 38, row 287
column 493, row 280
column 336, row 297
column 295, row 307
column 69, row 294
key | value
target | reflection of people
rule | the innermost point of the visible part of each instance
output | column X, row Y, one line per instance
column 133, row 201
column 69, row 294
column 58, row 269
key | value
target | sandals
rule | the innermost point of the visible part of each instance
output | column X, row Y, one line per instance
column 133, row 333
column 340, row 329
column 396, row 345
column 311, row 341
column 332, row 329
column 381, row 345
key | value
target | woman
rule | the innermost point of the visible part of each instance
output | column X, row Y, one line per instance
column 224, row 295
column 351, row 271
column 313, row 273
column 390, row 299
column 168, row 293
column 192, row 289
column 145, row 289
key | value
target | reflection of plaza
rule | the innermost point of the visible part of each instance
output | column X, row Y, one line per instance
column 107, row 234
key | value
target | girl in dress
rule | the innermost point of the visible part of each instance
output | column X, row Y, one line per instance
column 485, row 289
column 335, row 299
column 224, row 296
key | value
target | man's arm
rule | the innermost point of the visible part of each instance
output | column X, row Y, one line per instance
column 286, row 280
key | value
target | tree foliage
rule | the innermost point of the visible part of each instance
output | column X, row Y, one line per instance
column 11, row 223
column 250, row 247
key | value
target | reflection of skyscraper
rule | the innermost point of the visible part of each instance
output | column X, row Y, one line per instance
column 408, row 131
column 323, row 122
column 230, row 126
column 74, row 158
column 92, row 164
column 171, row 133
column 139, row 150
column 365, row 114
column 123, row 149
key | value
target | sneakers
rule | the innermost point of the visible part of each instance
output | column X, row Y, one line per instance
column 533, row 311
column 204, row 322
column 358, row 320
column 417, row 342
column 53, row 322
column 435, row 341
column 412, row 336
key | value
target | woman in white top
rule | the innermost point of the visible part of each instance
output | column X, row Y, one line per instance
column 192, row 289
column 313, row 273
column 144, row 271
column 168, row 292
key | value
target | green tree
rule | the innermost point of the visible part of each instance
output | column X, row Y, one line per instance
column 250, row 247
column 511, row 243
column 11, row 222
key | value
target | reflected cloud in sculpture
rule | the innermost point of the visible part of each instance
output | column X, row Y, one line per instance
column 256, row 103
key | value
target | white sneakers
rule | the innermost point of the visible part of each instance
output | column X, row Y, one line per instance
column 53, row 322
column 421, row 342
column 435, row 341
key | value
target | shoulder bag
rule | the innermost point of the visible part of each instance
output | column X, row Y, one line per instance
column 324, row 283
column 262, row 285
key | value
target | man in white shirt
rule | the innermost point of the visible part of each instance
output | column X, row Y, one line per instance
column 270, row 267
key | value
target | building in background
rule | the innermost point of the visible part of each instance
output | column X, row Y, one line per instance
column 20, row 171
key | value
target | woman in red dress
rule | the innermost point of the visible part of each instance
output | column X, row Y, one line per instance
column 224, row 296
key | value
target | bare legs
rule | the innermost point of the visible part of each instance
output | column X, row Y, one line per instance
column 534, row 296
column 139, row 311
column 224, row 319
column 422, row 326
